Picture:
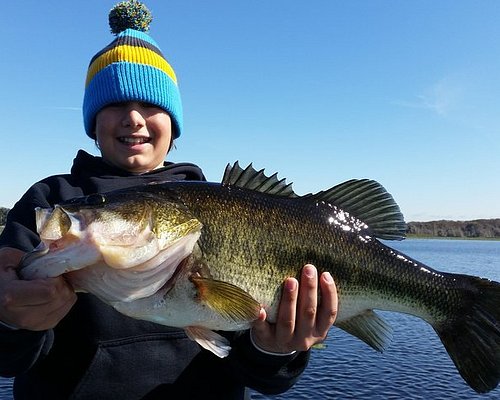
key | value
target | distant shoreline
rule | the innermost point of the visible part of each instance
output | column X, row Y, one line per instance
column 445, row 229
column 410, row 236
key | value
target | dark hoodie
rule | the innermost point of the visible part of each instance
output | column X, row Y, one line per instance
column 97, row 353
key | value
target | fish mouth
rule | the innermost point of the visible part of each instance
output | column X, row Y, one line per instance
column 30, row 258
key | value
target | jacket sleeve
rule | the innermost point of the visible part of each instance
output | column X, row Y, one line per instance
column 265, row 373
column 20, row 349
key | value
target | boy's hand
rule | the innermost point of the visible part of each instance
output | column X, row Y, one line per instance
column 35, row 305
column 302, row 321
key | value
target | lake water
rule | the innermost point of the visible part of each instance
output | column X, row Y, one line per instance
column 415, row 366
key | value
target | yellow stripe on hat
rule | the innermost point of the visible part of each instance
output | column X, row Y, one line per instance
column 131, row 54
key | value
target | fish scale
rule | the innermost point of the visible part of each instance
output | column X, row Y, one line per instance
column 303, row 240
column 227, row 248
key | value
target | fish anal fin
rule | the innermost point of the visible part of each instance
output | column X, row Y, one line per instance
column 370, row 328
column 226, row 299
column 209, row 340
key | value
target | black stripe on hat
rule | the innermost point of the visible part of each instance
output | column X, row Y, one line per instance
column 129, row 41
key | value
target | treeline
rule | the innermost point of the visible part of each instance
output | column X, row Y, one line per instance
column 479, row 228
column 3, row 215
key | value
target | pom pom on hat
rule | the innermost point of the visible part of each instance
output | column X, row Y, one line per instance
column 131, row 68
column 129, row 15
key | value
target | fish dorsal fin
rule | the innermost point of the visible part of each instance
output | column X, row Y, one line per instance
column 370, row 328
column 250, row 178
column 368, row 201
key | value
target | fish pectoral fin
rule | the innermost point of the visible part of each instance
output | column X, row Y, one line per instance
column 370, row 328
column 209, row 340
column 226, row 299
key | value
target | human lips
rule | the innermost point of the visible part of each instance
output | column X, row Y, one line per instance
column 134, row 140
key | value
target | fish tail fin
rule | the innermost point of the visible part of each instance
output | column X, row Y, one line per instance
column 472, row 337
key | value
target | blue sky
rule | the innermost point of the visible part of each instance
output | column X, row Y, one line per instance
column 404, row 92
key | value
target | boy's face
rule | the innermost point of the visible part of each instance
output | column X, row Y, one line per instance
column 133, row 136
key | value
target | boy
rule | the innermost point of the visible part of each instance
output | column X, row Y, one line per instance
column 60, row 345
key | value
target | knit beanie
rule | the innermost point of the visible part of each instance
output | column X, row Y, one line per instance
column 131, row 68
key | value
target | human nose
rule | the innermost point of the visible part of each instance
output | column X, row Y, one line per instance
column 132, row 118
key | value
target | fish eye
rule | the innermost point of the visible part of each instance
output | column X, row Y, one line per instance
column 95, row 199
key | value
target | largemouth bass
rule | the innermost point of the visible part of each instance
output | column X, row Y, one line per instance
column 207, row 256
